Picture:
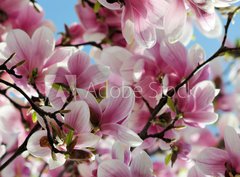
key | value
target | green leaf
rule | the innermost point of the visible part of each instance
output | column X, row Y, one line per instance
column 168, row 158
column 96, row 7
column 60, row 86
column 69, row 137
column 171, row 105
column 34, row 117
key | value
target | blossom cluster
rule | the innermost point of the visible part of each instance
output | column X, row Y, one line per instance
column 141, row 103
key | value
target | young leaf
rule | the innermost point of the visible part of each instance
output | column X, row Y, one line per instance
column 34, row 117
column 171, row 105
column 168, row 158
column 69, row 137
column 96, row 7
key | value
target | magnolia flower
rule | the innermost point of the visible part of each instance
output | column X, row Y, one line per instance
column 39, row 146
column 73, row 139
column 79, row 120
column 32, row 55
column 181, row 63
column 176, row 19
column 218, row 162
column 140, row 166
column 10, row 10
column 196, row 107
column 29, row 19
column 99, row 26
column 140, row 19
column 109, row 115
column 78, row 74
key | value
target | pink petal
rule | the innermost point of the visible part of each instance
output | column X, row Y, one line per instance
column 59, row 55
column 211, row 161
column 79, row 117
column 10, row 120
column 145, row 34
column 196, row 55
column 58, row 162
column 114, row 57
column 175, row 55
column 212, row 32
column 122, row 134
column 20, row 43
column 194, row 172
column 118, row 106
column 174, row 20
column 29, row 19
column 204, row 93
column 155, row 13
column 113, row 168
column 206, row 18
column 93, row 75
column 141, row 165
column 87, row 17
column 150, row 90
column 121, row 152
column 91, row 101
column 200, row 118
column 57, row 98
column 232, row 145
column 43, row 46
column 78, row 62
column 86, row 140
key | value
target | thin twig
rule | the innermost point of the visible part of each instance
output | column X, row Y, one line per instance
column 92, row 43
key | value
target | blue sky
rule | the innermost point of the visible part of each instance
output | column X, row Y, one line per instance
column 62, row 11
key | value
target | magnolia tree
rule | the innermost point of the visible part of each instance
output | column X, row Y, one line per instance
column 141, row 103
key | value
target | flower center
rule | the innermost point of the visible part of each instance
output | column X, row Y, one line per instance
column 230, row 171
column 44, row 142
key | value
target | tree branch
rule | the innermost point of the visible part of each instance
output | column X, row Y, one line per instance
column 163, row 101
column 92, row 43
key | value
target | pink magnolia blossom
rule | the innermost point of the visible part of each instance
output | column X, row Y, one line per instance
column 9, row 11
column 21, row 14
column 176, row 18
column 29, row 20
column 140, row 166
column 36, row 52
column 38, row 146
column 79, row 120
column 196, row 105
column 140, row 19
column 217, row 162
column 108, row 117
column 73, row 35
column 182, row 63
column 105, row 24
column 79, row 73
